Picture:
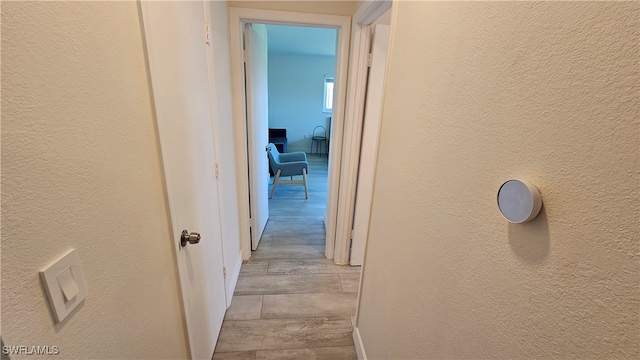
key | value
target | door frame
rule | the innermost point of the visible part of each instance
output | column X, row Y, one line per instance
column 366, row 15
column 233, row 262
column 197, row 342
column 256, row 76
column 379, row 50
column 238, row 16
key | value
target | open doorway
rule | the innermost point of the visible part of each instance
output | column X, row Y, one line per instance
column 289, row 296
column 289, row 92
column 301, row 65
column 251, row 144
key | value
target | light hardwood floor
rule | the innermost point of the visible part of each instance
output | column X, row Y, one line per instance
column 290, row 301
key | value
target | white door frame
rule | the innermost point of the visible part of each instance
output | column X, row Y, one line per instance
column 256, row 95
column 370, row 134
column 366, row 15
column 238, row 16
column 231, row 265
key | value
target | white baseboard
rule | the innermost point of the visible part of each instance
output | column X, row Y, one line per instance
column 232, row 276
column 359, row 346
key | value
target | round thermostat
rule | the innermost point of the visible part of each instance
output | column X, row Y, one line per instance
column 519, row 201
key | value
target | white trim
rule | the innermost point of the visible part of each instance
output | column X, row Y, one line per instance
column 368, row 13
column 351, row 140
column 215, row 130
column 232, row 279
column 240, row 131
column 379, row 54
column 357, row 340
column 237, row 16
column 371, row 10
column 359, row 28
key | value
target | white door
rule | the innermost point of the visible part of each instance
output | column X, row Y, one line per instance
column 369, row 152
column 174, row 34
column 257, row 93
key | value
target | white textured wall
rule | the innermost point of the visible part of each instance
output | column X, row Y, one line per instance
column 296, row 93
column 81, row 169
column 331, row 7
column 478, row 93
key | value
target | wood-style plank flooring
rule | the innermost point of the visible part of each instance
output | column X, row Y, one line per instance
column 290, row 301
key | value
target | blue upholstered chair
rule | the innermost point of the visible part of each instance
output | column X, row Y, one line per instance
column 289, row 164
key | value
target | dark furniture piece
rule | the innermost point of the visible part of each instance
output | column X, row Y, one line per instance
column 278, row 137
column 319, row 138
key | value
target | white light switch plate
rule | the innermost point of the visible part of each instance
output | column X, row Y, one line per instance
column 64, row 275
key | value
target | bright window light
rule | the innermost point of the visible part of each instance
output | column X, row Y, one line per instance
column 328, row 95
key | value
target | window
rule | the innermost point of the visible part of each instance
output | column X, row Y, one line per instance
column 327, row 104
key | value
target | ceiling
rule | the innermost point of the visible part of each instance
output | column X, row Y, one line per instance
column 301, row 40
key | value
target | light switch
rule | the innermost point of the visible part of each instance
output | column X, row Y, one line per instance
column 67, row 284
column 64, row 284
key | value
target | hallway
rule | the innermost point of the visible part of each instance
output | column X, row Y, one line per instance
column 290, row 301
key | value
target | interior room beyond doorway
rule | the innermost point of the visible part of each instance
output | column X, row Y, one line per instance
column 301, row 65
column 301, row 72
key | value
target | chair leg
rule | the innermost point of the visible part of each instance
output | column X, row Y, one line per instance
column 304, row 177
column 275, row 183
